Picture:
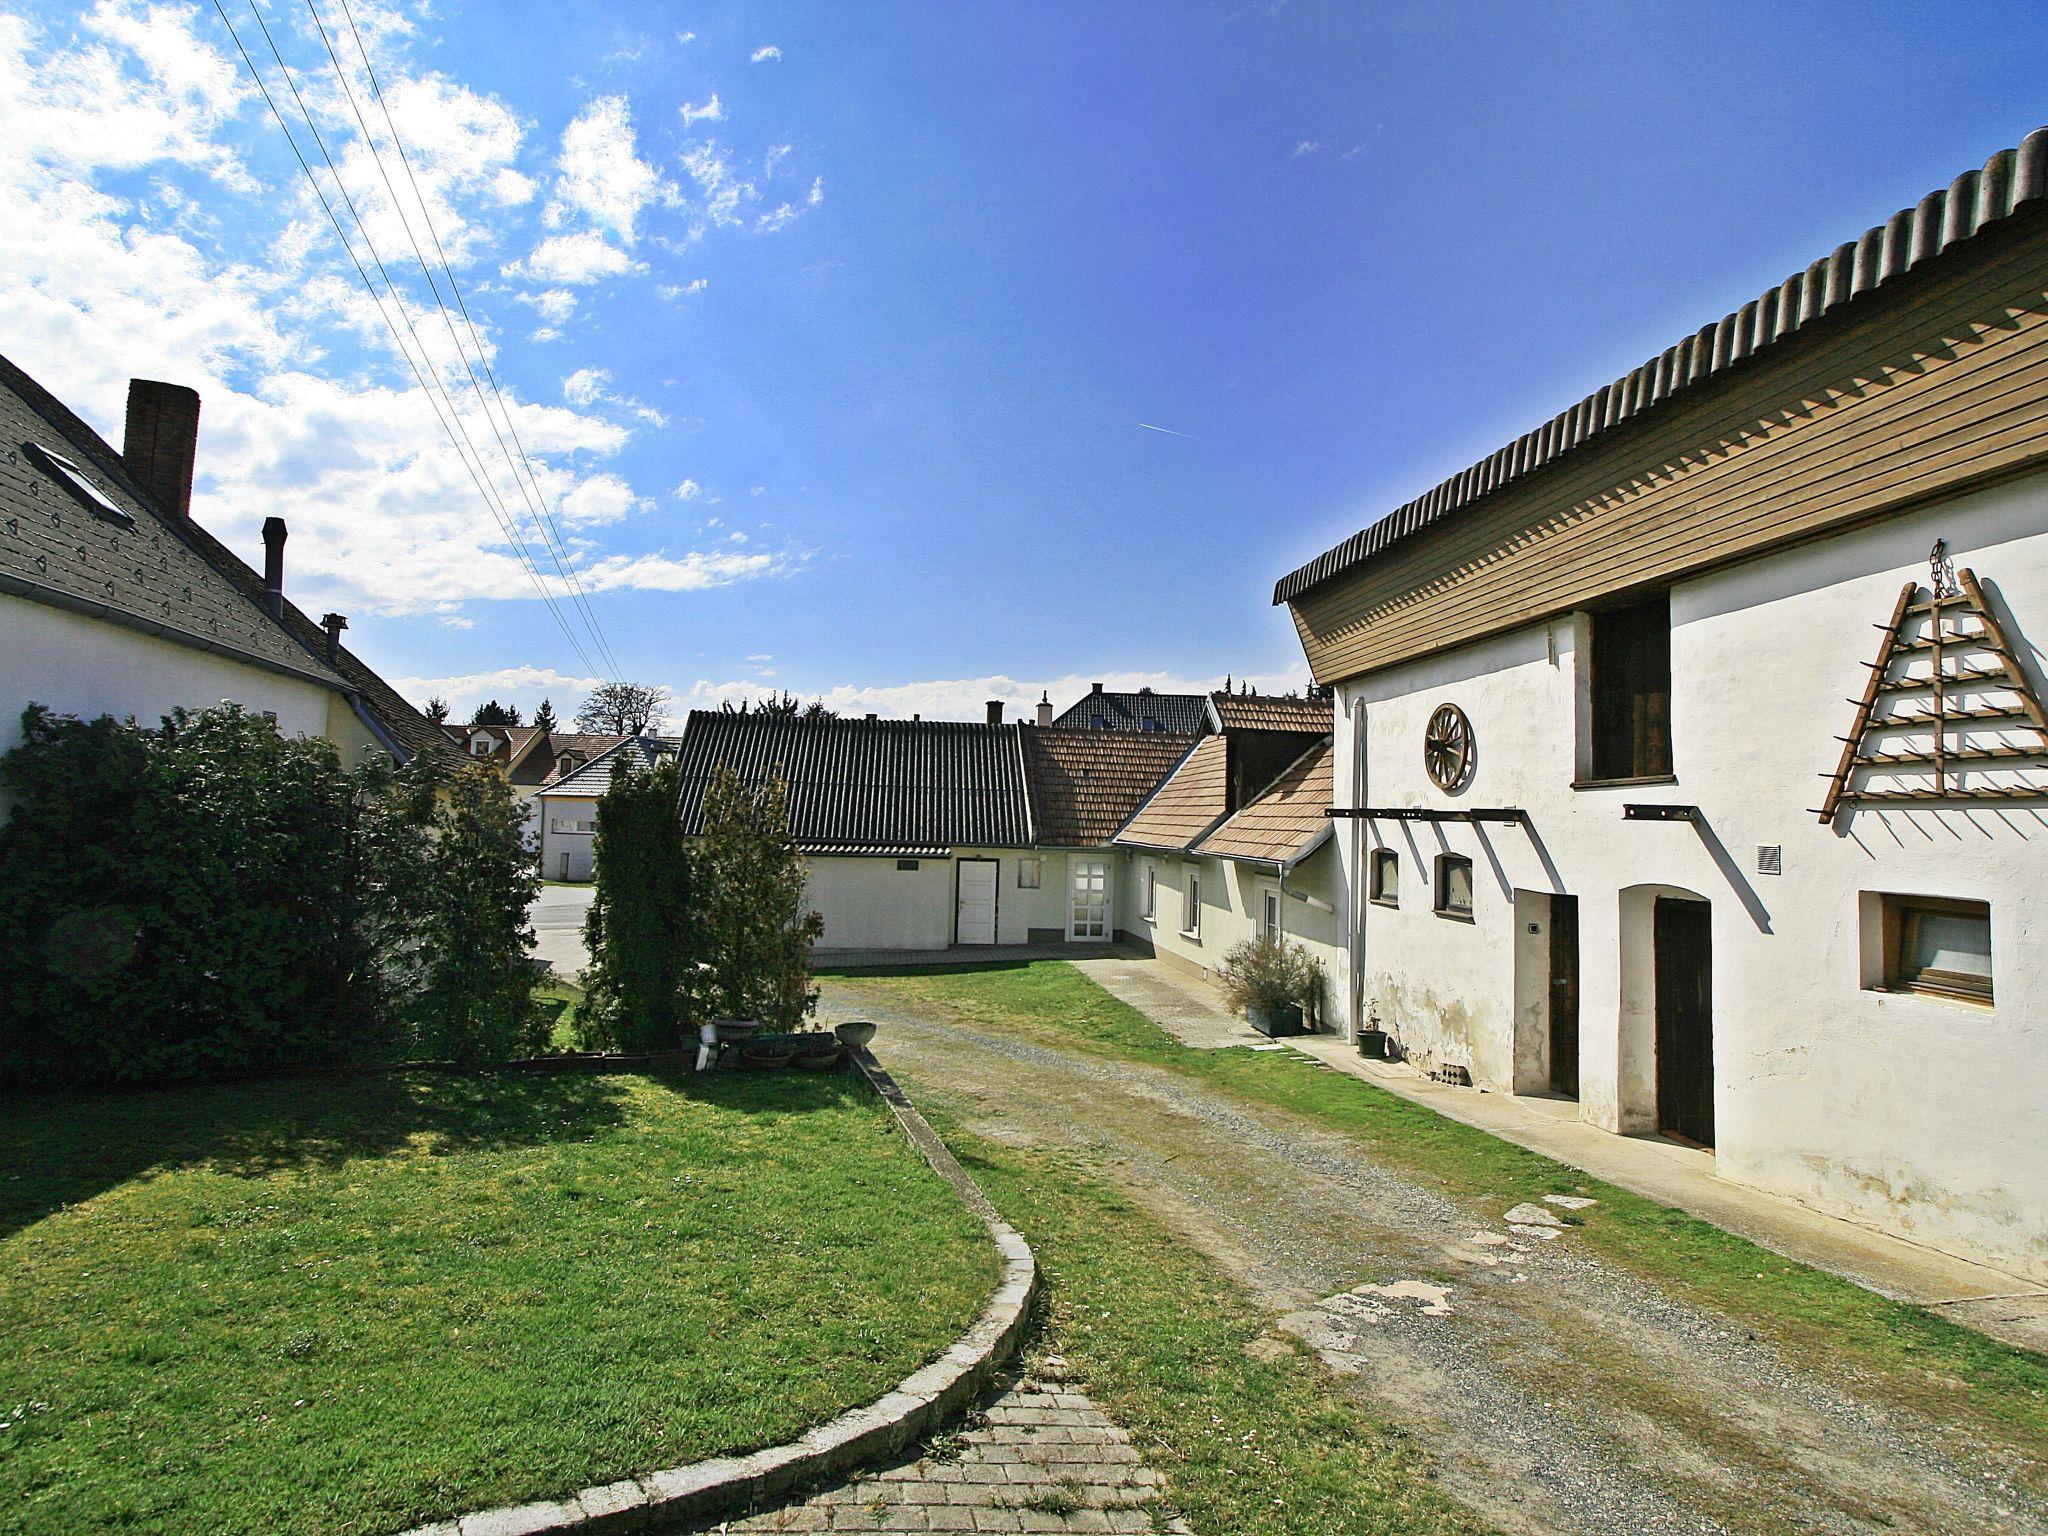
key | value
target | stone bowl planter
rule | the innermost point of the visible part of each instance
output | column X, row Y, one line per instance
column 774, row 1054
column 855, row 1033
column 736, row 1031
column 820, row 1061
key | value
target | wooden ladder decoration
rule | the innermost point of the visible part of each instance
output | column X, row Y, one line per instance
column 1952, row 689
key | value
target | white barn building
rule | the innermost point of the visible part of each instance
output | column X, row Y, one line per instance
column 1592, row 701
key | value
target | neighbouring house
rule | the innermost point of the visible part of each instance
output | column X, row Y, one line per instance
column 113, row 599
column 568, row 803
column 529, row 757
column 917, row 832
column 1176, row 714
column 1236, row 843
column 1083, row 785
column 1690, row 755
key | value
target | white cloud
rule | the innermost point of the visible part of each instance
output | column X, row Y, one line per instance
column 585, row 386
column 693, row 571
column 578, row 259
column 689, row 490
column 686, row 38
column 713, row 111
column 1306, row 147
column 555, row 304
column 603, row 498
column 775, row 218
column 817, row 194
column 602, row 176
column 965, row 698
column 524, row 686
column 683, row 290
column 766, row 55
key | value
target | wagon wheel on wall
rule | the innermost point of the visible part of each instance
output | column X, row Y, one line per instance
column 1447, row 746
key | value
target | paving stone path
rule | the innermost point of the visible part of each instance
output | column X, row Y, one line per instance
column 1039, row 1457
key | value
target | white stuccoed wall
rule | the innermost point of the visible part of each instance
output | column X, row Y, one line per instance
column 871, row 904
column 1920, row 1116
column 88, row 667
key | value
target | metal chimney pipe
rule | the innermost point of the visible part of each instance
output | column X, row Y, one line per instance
column 1044, row 707
column 995, row 711
column 334, row 624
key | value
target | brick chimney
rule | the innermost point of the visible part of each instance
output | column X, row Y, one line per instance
column 273, row 566
column 995, row 711
column 1044, row 707
column 334, row 624
column 160, row 441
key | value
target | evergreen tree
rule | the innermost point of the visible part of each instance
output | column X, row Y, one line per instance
column 638, row 930
column 437, row 710
column 495, row 713
column 544, row 717
column 755, row 932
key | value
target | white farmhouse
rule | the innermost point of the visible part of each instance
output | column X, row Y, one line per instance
column 114, row 600
column 1689, row 754
column 568, row 804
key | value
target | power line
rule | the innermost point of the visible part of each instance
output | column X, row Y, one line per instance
column 483, row 488
column 530, row 489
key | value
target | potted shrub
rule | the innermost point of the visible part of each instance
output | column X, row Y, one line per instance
column 1272, row 982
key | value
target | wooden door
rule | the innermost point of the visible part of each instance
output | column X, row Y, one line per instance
column 1564, row 995
column 975, row 920
column 1685, row 1020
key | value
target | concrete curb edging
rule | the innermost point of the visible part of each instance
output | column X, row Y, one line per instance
column 922, row 1402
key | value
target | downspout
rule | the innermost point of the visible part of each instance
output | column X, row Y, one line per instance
column 376, row 728
column 1354, row 931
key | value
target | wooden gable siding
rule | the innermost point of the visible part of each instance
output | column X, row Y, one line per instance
column 1940, row 386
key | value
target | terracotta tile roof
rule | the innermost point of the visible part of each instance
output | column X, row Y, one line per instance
column 1271, row 712
column 1908, row 240
column 1188, row 804
column 1085, row 784
column 863, row 786
column 1176, row 713
column 1288, row 821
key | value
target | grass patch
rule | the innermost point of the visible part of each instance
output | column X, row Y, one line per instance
column 562, row 1001
column 354, row 1305
column 1266, row 1443
column 1946, row 1371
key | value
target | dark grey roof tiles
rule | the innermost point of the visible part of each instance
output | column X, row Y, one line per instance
column 861, row 786
column 147, row 573
column 2009, row 180
column 595, row 776
column 1175, row 713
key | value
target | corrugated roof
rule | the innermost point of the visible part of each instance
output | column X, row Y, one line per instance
column 1288, row 821
column 1270, row 712
column 869, row 785
column 1184, row 714
column 1912, row 237
column 1188, row 804
column 595, row 776
column 1085, row 784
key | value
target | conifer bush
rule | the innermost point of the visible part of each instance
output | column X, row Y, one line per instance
column 639, row 932
column 755, row 930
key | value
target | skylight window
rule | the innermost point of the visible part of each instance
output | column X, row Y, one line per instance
column 95, row 499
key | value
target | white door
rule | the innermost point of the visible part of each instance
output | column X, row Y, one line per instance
column 976, row 923
column 1088, row 901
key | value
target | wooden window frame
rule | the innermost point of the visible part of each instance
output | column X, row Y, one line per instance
column 1900, row 915
column 1382, row 893
column 1440, row 904
column 1643, row 765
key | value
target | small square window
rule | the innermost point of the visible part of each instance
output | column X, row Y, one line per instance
column 1027, row 874
column 1937, row 946
column 906, row 864
column 1453, row 885
column 1383, row 878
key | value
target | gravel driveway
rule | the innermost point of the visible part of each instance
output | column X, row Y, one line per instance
column 1556, row 1394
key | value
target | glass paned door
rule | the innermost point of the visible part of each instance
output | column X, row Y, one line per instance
column 1088, row 900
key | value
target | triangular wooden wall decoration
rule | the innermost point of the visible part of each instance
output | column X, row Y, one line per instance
column 1959, row 746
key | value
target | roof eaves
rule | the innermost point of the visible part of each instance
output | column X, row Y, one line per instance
column 1911, row 238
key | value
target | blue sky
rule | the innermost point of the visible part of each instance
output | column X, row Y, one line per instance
column 830, row 329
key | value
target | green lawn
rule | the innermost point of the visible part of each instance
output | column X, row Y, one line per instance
column 354, row 1304
column 1951, row 1373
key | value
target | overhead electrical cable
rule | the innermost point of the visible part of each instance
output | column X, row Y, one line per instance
column 529, row 488
column 457, row 437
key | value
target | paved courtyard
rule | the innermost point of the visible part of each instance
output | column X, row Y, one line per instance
column 1040, row 1458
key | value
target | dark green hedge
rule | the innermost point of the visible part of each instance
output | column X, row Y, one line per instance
column 211, row 897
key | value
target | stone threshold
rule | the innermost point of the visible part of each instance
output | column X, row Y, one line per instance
column 924, row 1402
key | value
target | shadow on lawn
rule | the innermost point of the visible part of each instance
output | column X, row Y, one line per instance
column 65, row 1146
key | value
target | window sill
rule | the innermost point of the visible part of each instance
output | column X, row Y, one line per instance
column 1936, row 995
column 1381, row 901
column 1192, row 935
column 1647, row 778
column 1456, row 917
